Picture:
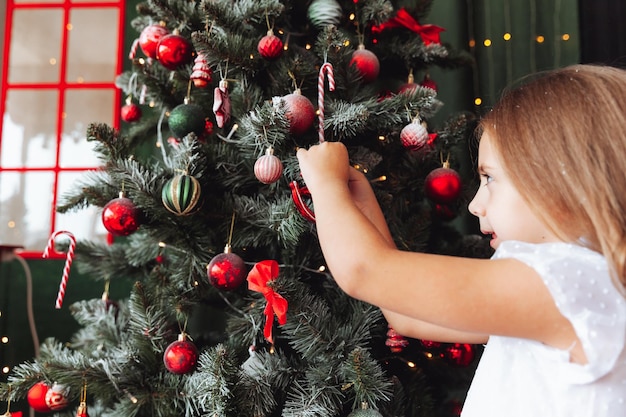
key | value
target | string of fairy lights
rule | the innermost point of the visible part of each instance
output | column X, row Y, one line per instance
column 505, row 45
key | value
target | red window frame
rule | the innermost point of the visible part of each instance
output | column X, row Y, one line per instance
column 62, row 85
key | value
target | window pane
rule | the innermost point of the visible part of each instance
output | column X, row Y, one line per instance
column 81, row 108
column 83, row 224
column 35, row 52
column 38, row 1
column 26, row 201
column 92, row 50
column 29, row 129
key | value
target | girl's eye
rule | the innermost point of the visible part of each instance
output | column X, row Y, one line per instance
column 486, row 178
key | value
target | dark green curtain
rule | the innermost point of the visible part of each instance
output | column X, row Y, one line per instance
column 544, row 34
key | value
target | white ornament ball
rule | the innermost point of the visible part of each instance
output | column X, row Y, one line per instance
column 56, row 397
column 324, row 12
column 268, row 168
column 414, row 136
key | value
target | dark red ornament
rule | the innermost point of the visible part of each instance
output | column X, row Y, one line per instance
column 227, row 270
column 173, row 51
column 461, row 354
column 270, row 46
column 150, row 37
column 120, row 216
column 300, row 112
column 130, row 112
column 443, row 185
column 181, row 356
column 366, row 62
column 37, row 397
column 428, row 82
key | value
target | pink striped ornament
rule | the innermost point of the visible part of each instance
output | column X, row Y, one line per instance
column 268, row 168
column 326, row 70
column 68, row 262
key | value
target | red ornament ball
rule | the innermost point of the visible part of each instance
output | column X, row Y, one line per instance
column 130, row 112
column 300, row 112
column 149, row 39
column 414, row 136
column 120, row 216
column 173, row 51
column 180, row 356
column 36, row 397
column 268, row 168
column 226, row 271
column 270, row 46
column 366, row 62
column 443, row 185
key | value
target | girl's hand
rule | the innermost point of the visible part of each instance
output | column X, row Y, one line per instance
column 324, row 164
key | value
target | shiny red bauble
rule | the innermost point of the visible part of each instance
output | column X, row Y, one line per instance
column 366, row 62
column 36, row 397
column 227, row 270
column 173, row 51
column 442, row 185
column 120, row 216
column 268, row 168
column 130, row 112
column 149, row 39
column 300, row 112
column 181, row 356
column 270, row 46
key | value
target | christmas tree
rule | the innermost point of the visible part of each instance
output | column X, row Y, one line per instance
column 232, row 311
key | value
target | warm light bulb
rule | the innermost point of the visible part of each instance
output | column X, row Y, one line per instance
column 540, row 39
column 478, row 101
column 4, row 339
column 565, row 37
column 472, row 43
column 5, row 370
column 507, row 37
column 487, row 42
column 411, row 364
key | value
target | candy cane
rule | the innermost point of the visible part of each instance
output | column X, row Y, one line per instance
column 133, row 49
column 325, row 70
column 68, row 262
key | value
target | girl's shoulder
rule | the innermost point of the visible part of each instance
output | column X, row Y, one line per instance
column 580, row 283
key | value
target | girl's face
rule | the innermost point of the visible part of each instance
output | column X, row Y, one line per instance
column 502, row 212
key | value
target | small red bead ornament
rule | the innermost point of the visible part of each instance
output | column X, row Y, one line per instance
column 268, row 168
column 443, row 185
column 149, row 39
column 120, row 216
column 181, row 356
column 300, row 112
column 366, row 62
column 460, row 354
column 270, row 46
column 226, row 271
column 173, row 51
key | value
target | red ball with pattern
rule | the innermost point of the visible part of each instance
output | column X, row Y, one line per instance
column 443, row 185
column 226, row 271
column 120, row 216
column 173, row 51
column 181, row 356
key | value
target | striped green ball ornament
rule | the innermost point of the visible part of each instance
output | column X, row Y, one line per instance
column 180, row 195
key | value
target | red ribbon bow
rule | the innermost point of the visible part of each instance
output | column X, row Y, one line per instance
column 262, row 273
column 429, row 33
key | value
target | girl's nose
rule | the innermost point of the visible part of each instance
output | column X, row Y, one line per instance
column 475, row 207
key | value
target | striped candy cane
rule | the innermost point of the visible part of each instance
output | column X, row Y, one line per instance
column 325, row 70
column 68, row 263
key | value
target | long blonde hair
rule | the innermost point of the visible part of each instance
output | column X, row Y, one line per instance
column 562, row 140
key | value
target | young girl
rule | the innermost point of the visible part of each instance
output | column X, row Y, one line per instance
column 550, row 303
